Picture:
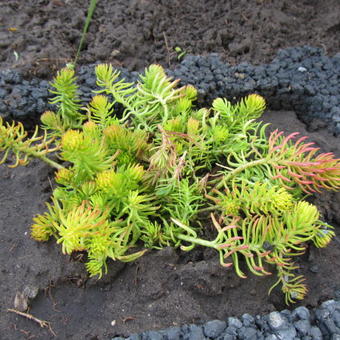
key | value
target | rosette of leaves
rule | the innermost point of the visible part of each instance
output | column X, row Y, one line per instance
column 157, row 174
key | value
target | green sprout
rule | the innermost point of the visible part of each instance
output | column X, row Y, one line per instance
column 180, row 53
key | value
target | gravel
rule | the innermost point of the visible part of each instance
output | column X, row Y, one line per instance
column 300, row 323
column 302, row 79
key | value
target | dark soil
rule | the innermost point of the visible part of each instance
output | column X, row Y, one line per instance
column 162, row 289
column 168, row 287
column 45, row 33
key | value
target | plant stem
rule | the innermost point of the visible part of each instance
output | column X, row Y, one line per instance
column 199, row 241
column 49, row 162
column 213, row 208
column 240, row 169
column 32, row 152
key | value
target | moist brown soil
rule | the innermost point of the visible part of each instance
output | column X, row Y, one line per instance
column 41, row 35
column 167, row 287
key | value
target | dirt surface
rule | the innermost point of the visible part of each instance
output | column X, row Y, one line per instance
column 163, row 288
column 41, row 35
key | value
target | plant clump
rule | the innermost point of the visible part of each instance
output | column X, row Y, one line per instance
column 160, row 172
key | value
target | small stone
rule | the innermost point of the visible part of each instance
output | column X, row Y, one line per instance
column 330, row 326
column 231, row 330
column 315, row 333
column 239, row 75
column 302, row 69
column 134, row 337
column 194, row 333
column 247, row 319
column 172, row 333
column 229, row 337
column 276, row 321
column 153, row 335
column 247, row 333
column 303, row 326
column 330, row 305
column 212, row 329
column 335, row 337
column 21, row 302
column 322, row 314
column 234, row 322
column 287, row 314
column 287, row 334
column 31, row 292
column 272, row 337
column 259, row 335
column 314, row 268
column 301, row 313
column 336, row 317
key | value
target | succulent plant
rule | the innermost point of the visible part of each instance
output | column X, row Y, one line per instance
column 155, row 175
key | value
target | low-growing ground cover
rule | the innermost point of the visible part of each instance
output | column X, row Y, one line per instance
column 160, row 286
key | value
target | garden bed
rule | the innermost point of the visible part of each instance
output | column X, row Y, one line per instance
column 162, row 289
column 168, row 287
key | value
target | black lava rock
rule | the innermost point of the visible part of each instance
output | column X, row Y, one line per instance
column 300, row 78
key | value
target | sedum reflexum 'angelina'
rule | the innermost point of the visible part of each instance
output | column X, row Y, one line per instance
column 149, row 178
